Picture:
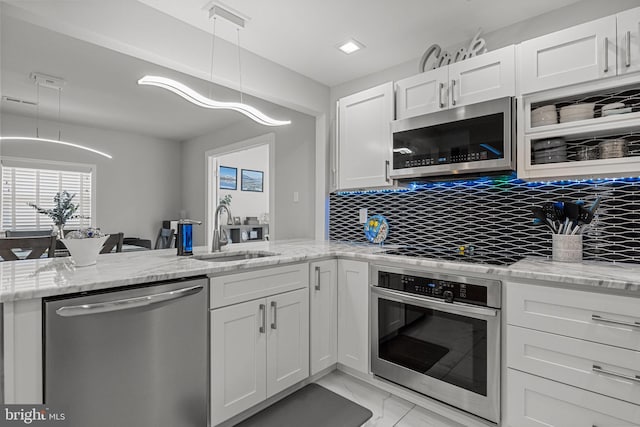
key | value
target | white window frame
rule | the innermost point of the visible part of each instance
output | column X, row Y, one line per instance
column 20, row 162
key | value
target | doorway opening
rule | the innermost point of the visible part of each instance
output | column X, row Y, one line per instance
column 241, row 176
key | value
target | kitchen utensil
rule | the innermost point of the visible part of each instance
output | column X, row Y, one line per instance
column 613, row 148
column 545, row 144
column 587, row 153
column 543, row 159
column 540, row 215
column 612, row 106
column 616, row 111
column 595, row 205
column 572, row 213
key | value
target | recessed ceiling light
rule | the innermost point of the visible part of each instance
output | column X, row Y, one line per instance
column 351, row 46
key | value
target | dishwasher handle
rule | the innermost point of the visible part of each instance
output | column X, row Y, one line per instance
column 127, row 303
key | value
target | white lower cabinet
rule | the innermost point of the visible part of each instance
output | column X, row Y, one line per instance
column 573, row 358
column 323, row 307
column 538, row 402
column 353, row 314
column 258, row 348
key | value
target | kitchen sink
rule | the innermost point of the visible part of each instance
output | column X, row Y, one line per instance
column 233, row 256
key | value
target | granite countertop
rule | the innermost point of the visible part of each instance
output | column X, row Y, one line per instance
column 57, row 276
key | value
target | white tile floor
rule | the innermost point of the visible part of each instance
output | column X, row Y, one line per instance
column 388, row 410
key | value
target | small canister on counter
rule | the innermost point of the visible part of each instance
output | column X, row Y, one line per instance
column 567, row 247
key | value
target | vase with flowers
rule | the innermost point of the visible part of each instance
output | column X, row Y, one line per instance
column 62, row 211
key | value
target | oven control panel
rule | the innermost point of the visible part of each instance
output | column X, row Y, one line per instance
column 436, row 288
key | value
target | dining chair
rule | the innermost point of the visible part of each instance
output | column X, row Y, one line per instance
column 114, row 241
column 136, row 241
column 28, row 233
column 165, row 238
column 16, row 248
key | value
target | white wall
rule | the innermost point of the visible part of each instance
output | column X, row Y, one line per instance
column 135, row 190
column 248, row 203
column 294, row 171
column 578, row 13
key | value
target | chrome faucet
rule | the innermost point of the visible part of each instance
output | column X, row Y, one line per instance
column 219, row 235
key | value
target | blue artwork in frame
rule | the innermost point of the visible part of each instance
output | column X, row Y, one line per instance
column 252, row 180
column 228, row 178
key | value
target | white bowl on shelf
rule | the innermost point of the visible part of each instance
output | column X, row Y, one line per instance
column 543, row 116
column 576, row 112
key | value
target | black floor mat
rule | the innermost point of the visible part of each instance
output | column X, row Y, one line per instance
column 311, row 406
column 412, row 353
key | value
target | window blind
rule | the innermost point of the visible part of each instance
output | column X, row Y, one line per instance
column 24, row 185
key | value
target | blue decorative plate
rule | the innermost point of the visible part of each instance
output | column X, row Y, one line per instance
column 376, row 229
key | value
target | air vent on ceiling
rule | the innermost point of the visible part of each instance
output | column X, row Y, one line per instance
column 18, row 100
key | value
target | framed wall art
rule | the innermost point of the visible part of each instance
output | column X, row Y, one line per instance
column 252, row 180
column 228, row 178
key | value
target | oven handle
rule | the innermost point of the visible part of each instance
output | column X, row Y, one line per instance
column 434, row 304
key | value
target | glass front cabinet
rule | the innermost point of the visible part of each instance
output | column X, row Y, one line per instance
column 581, row 132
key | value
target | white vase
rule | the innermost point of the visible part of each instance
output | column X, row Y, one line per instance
column 84, row 251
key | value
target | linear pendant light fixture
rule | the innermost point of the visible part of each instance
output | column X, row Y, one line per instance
column 55, row 83
column 202, row 101
column 205, row 102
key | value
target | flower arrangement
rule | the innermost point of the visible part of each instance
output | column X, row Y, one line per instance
column 62, row 211
column 85, row 233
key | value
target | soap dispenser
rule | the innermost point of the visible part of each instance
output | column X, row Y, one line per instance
column 185, row 236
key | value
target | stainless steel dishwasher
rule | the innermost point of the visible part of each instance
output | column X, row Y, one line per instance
column 131, row 358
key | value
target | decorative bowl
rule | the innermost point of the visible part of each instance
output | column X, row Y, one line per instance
column 376, row 229
column 84, row 251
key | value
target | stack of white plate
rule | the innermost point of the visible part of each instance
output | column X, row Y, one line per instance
column 615, row 108
column 550, row 151
column 613, row 148
column 543, row 116
column 575, row 112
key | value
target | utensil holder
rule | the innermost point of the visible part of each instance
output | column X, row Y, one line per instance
column 567, row 248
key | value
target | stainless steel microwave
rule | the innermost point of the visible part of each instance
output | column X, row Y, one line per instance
column 473, row 138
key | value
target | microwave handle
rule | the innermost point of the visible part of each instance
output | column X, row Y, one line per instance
column 453, row 92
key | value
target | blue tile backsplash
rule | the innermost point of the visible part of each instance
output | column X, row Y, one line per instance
column 493, row 215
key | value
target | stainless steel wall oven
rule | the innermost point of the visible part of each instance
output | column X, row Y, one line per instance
column 438, row 334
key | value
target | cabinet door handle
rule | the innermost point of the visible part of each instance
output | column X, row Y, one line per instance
column 317, row 278
column 274, row 307
column 386, row 171
column 453, row 92
column 263, row 311
column 440, row 95
column 597, row 318
column 628, row 56
column 606, row 54
column 599, row 370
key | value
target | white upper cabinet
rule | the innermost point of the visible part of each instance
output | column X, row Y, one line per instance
column 423, row 93
column 629, row 41
column 481, row 78
column 597, row 49
column 578, row 54
column 364, row 138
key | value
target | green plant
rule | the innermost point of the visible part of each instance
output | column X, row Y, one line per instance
column 226, row 200
column 62, row 211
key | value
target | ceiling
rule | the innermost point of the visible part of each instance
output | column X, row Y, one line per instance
column 303, row 35
column 101, row 89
